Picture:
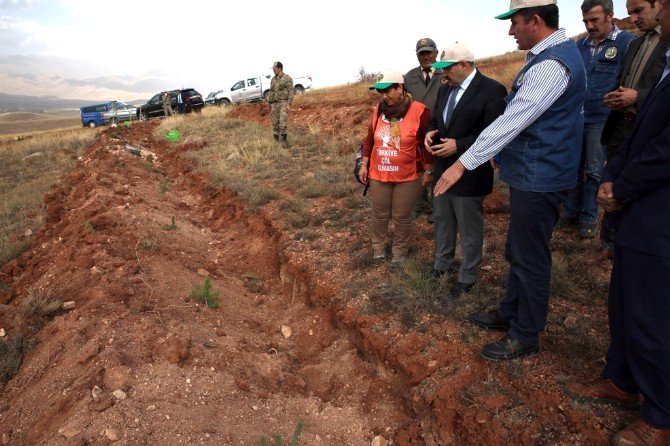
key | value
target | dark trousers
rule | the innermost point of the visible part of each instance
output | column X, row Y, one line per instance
column 638, row 358
column 528, row 251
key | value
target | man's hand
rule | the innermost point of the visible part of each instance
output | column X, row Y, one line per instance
column 428, row 140
column 445, row 149
column 621, row 98
column 606, row 198
column 449, row 178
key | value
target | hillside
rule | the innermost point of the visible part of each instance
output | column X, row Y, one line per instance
column 308, row 328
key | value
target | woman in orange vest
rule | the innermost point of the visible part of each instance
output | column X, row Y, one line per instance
column 391, row 151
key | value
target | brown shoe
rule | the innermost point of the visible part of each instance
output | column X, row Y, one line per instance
column 639, row 433
column 603, row 391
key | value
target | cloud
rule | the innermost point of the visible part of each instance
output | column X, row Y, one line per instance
column 17, row 4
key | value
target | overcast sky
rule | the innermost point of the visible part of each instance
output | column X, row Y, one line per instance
column 210, row 44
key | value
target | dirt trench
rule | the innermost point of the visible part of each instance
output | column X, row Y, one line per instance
column 140, row 362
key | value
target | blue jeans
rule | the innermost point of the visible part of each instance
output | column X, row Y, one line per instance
column 581, row 202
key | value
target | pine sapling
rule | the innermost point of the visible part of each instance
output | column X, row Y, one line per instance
column 206, row 294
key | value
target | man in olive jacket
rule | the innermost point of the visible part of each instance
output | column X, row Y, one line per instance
column 280, row 97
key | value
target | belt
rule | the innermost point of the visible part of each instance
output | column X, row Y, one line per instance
column 629, row 116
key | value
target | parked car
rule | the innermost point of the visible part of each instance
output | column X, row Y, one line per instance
column 119, row 112
column 154, row 108
column 210, row 99
column 98, row 114
column 256, row 89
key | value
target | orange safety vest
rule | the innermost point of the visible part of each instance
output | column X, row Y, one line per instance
column 394, row 159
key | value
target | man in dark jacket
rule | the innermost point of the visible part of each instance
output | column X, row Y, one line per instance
column 643, row 65
column 465, row 106
column 636, row 182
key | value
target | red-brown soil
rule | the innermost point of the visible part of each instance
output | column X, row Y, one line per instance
column 193, row 375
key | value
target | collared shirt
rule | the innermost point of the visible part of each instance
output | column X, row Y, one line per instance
column 542, row 85
column 459, row 92
column 651, row 40
column 666, row 70
column 432, row 73
column 595, row 48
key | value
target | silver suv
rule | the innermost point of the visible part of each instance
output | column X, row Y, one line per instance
column 119, row 112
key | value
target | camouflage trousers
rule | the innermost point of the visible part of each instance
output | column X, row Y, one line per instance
column 279, row 115
column 167, row 110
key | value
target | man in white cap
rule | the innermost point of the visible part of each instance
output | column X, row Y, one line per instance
column 538, row 139
column 466, row 104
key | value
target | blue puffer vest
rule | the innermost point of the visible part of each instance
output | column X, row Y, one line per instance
column 601, row 74
column 544, row 157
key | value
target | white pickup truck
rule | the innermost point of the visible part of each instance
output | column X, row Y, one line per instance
column 256, row 89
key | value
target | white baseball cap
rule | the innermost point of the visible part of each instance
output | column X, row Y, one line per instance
column 388, row 78
column 516, row 5
column 453, row 54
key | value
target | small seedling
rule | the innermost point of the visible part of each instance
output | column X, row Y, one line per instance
column 164, row 185
column 278, row 441
column 206, row 294
column 172, row 226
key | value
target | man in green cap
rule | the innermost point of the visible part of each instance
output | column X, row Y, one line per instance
column 279, row 98
column 537, row 141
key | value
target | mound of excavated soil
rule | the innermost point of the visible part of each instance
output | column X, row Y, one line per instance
column 140, row 360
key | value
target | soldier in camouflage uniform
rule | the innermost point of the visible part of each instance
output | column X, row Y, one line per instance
column 279, row 98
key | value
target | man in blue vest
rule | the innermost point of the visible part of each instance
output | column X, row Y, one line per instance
column 539, row 139
column 603, row 51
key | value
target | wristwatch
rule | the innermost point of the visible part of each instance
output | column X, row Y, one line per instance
column 429, row 172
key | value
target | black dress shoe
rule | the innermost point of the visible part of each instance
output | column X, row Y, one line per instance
column 489, row 320
column 508, row 348
column 459, row 288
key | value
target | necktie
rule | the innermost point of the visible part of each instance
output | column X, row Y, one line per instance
column 451, row 102
column 427, row 79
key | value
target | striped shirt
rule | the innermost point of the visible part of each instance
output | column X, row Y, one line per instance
column 542, row 85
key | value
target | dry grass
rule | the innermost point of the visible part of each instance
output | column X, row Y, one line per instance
column 19, row 123
column 24, row 179
column 39, row 303
column 350, row 94
column 12, row 351
column 244, row 158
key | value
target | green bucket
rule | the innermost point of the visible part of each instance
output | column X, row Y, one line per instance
column 172, row 135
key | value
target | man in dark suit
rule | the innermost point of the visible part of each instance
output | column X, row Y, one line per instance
column 642, row 67
column 636, row 182
column 466, row 104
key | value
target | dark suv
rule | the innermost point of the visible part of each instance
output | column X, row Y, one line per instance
column 154, row 108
